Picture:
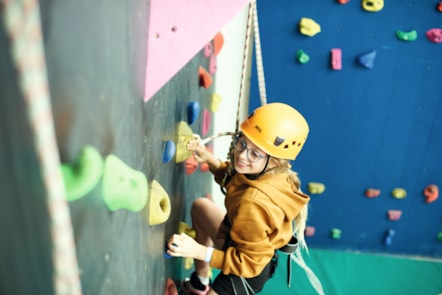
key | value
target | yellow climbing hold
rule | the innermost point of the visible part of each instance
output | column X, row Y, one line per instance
column 316, row 188
column 183, row 135
column 187, row 229
column 309, row 27
column 188, row 262
column 159, row 204
column 399, row 193
column 372, row 5
column 215, row 101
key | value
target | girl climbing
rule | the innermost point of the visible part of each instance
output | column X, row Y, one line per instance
column 265, row 206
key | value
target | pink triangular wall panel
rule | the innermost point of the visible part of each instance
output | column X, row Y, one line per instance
column 177, row 30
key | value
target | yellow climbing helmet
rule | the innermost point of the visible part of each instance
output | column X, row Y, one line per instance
column 277, row 129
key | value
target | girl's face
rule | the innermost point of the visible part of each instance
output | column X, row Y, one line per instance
column 247, row 157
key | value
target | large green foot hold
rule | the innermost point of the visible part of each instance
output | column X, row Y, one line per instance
column 81, row 177
column 123, row 187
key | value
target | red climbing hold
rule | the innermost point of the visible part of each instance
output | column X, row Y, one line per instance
column 190, row 165
column 431, row 193
column 171, row 288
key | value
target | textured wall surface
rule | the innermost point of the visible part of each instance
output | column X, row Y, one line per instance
column 96, row 61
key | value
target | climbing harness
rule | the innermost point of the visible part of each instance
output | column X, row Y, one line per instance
column 290, row 250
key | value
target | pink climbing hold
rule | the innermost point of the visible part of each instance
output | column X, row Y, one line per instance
column 309, row 231
column 342, row 1
column 394, row 215
column 208, row 196
column 431, row 193
column 434, row 35
column 208, row 49
column 336, row 59
column 212, row 65
column 207, row 120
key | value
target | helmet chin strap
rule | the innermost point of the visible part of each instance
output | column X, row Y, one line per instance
column 255, row 176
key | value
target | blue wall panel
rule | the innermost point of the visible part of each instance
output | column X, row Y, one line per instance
column 375, row 128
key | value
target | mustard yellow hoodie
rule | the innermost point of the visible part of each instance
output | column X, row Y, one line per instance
column 261, row 213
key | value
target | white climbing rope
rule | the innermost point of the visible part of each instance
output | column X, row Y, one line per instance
column 258, row 56
column 21, row 19
column 210, row 138
column 245, row 62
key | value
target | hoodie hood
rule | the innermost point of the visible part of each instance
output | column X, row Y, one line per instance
column 280, row 191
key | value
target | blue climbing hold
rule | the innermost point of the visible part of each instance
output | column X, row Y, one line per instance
column 389, row 237
column 193, row 110
column 367, row 59
column 169, row 149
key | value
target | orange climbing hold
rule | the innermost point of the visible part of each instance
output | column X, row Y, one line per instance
column 431, row 193
column 205, row 78
column 218, row 42
column 372, row 193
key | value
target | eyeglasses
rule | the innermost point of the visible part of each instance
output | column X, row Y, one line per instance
column 252, row 154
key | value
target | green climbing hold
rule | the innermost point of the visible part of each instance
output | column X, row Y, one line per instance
column 81, row 177
column 406, row 36
column 302, row 57
column 336, row 233
column 123, row 187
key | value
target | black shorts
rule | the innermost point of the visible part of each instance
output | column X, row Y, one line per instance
column 231, row 284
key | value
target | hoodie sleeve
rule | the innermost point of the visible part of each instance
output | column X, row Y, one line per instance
column 220, row 172
column 252, row 251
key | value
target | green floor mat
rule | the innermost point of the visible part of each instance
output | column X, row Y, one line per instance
column 348, row 273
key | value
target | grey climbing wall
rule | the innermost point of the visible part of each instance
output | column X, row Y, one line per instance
column 95, row 54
